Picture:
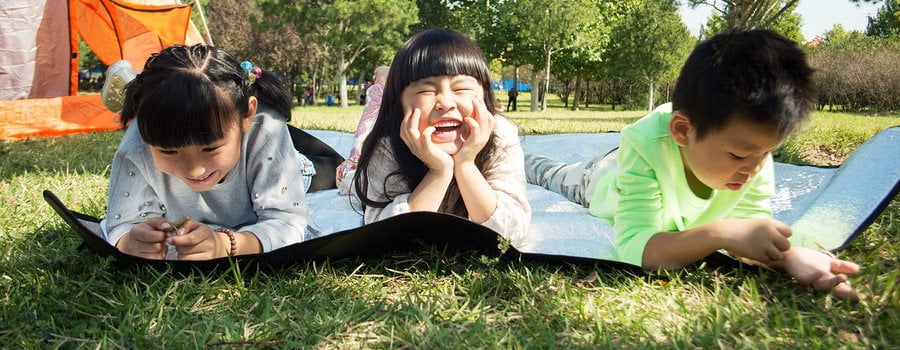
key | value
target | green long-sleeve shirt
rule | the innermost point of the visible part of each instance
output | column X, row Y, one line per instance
column 648, row 193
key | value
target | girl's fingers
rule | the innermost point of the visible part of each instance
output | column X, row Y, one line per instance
column 482, row 115
column 191, row 239
column 158, row 223
column 474, row 127
column 412, row 124
column 425, row 141
column 146, row 234
column 409, row 127
column 846, row 292
column 843, row 266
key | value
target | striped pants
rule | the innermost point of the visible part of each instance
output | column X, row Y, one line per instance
column 575, row 181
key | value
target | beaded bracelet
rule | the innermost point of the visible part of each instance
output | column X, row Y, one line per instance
column 231, row 238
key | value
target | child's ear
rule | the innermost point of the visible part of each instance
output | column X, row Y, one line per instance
column 252, row 103
column 680, row 127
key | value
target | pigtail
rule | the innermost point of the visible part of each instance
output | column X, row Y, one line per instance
column 129, row 107
column 270, row 91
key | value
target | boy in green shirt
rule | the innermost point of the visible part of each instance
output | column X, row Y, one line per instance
column 697, row 176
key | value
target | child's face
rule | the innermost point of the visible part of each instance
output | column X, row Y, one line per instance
column 202, row 167
column 444, row 101
column 724, row 159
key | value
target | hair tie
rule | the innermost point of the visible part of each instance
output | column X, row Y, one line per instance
column 253, row 72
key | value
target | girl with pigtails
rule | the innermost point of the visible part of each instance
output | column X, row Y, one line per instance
column 206, row 149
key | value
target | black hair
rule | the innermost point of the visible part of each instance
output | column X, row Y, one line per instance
column 757, row 76
column 433, row 52
column 192, row 95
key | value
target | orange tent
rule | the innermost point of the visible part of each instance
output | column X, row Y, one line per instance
column 38, row 68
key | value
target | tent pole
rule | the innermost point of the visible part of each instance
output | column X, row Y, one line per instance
column 205, row 25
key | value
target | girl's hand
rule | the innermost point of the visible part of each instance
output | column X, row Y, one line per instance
column 196, row 241
column 146, row 240
column 420, row 143
column 821, row 270
column 481, row 125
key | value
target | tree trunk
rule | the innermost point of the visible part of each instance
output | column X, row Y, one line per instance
column 342, row 79
column 650, row 102
column 516, row 78
column 576, row 100
column 535, row 94
column 587, row 91
column 314, row 88
column 361, row 86
column 546, row 82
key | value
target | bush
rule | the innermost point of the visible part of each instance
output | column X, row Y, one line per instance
column 858, row 79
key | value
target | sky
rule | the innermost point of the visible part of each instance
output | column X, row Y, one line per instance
column 818, row 15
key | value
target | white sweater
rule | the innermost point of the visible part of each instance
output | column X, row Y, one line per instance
column 505, row 175
column 263, row 194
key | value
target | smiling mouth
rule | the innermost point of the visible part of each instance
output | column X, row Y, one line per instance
column 447, row 126
column 202, row 179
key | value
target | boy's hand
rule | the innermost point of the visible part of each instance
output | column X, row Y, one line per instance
column 481, row 125
column 822, row 271
column 420, row 143
column 146, row 240
column 196, row 241
column 762, row 240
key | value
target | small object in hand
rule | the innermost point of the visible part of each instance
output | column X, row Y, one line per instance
column 174, row 226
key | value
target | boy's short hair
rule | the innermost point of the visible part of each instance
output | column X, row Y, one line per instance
column 758, row 76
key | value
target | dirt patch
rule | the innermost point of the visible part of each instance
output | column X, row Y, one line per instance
column 821, row 156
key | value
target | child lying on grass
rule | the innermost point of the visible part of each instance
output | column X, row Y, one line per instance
column 698, row 177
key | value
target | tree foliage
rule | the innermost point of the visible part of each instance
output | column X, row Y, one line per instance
column 886, row 21
column 343, row 29
column 747, row 14
column 541, row 28
column 241, row 28
column 650, row 44
column 786, row 23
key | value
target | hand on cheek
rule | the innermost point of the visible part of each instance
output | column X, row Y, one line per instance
column 480, row 125
column 420, row 143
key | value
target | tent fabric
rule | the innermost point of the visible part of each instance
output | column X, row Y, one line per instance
column 56, row 116
column 117, row 30
column 34, row 63
column 37, row 63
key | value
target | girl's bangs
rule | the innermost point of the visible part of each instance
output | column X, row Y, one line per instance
column 449, row 57
column 197, row 115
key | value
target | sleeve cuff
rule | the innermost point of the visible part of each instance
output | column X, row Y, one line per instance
column 632, row 250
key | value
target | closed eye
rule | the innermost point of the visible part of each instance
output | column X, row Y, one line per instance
column 168, row 152
column 736, row 157
column 211, row 149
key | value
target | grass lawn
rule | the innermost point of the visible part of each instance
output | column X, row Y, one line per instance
column 53, row 295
